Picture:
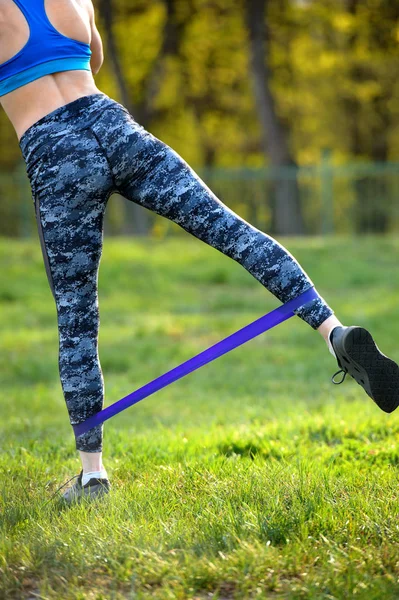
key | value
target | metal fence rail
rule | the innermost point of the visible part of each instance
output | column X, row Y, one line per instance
column 351, row 198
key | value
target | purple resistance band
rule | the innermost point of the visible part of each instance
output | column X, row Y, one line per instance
column 277, row 316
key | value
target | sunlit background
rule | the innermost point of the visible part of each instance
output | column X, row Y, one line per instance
column 288, row 109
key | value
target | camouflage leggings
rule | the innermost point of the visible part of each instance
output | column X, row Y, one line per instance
column 76, row 158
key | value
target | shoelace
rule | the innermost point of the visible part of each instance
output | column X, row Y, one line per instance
column 343, row 377
column 60, row 488
column 339, row 364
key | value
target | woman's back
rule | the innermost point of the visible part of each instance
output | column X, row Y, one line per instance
column 71, row 18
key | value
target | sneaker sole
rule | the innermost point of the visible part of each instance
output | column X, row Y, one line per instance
column 375, row 372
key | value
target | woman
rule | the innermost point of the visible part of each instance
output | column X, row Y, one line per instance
column 80, row 147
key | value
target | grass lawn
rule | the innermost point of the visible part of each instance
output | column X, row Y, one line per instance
column 254, row 477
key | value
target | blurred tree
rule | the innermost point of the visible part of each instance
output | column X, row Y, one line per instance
column 213, row 51
column 287, row 217
column 171, row 38
column 366, row 46
column 185, row 67
column 140, row 220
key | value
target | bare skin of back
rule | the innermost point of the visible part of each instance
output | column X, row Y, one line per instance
column 74, row 19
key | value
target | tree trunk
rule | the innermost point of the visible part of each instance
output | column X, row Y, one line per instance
column 170, row 47
column 287, row 215
column 371, row 212
column 106, row 7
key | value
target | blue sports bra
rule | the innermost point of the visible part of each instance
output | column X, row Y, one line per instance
column 47, row 51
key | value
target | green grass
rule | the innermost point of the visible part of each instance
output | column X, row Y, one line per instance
column 251, row 478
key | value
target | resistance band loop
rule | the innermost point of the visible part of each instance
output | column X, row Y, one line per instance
column 277, row 316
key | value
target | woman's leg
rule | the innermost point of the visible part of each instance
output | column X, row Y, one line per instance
column 71, row 193
column 150, row 173
column 153, row 175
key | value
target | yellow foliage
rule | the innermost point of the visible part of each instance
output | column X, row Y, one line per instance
column 334, row 78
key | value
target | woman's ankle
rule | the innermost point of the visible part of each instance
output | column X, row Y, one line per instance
column 327, row 326
column 91, row 461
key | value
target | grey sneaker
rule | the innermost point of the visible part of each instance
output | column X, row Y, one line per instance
column 358, row 355
column 95, row 488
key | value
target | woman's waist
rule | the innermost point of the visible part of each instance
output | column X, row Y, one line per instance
column 29, row 104
column 64, row 122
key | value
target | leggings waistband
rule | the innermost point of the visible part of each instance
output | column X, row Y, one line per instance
column 81, row 110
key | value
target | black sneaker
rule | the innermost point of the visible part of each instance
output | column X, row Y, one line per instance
column 358, row 355
column 95, row 488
